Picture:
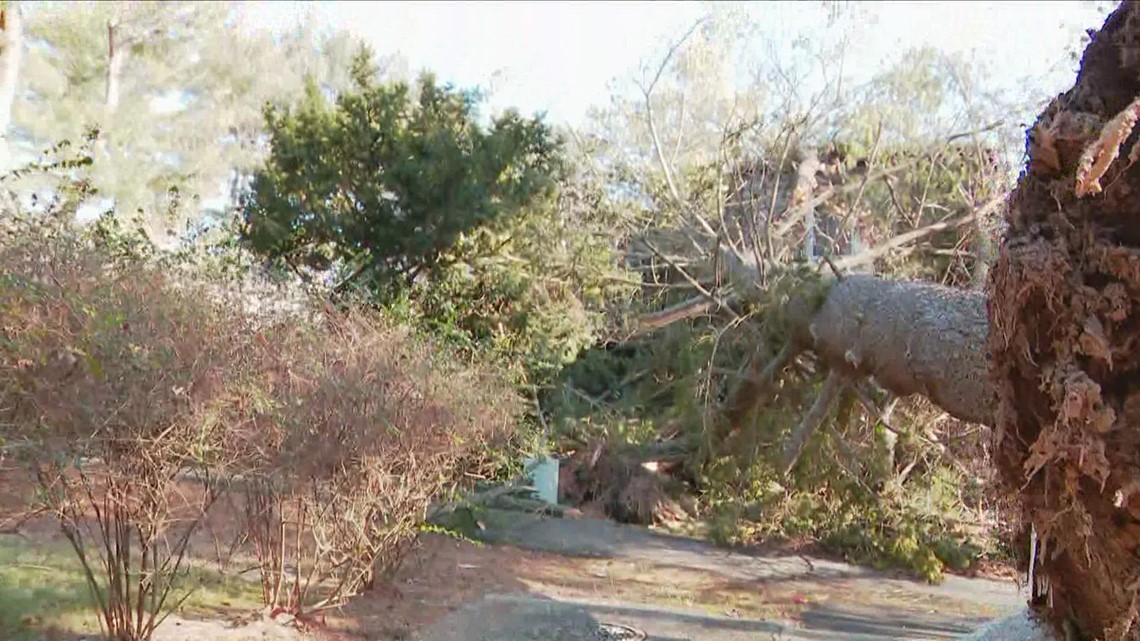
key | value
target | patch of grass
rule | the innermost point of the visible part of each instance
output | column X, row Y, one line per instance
column 214, row 594
column 42, row 587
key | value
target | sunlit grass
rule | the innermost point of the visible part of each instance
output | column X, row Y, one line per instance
column 42, row 587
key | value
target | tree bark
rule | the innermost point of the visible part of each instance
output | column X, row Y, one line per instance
column 910, row 338
column 11, row 43
column 118, row 48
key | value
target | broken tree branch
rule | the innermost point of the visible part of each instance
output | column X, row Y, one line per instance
column 684, row 310
column 713, row 298
column 847, row 262
column 832, row 387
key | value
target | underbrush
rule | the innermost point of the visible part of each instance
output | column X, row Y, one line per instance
column 888, row 531
column 122, row 380
column 363, row 434
column 910, row 495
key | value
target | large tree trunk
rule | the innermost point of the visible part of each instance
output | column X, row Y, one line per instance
column 911, row 338
column 1065, row 342
column 908, row 337
column 117, row 50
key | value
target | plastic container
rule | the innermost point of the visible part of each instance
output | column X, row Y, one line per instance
column 543, row 475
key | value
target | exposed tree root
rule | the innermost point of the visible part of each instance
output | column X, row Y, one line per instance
column 1065, row 342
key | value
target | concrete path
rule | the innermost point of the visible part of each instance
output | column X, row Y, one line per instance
column 519, row 617
column 861, row 605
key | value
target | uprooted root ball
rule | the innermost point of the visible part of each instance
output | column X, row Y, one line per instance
column 1065, row 342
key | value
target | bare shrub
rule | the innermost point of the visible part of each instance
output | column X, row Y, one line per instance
column 367, row 425
column 113, row 387
column 138, row 401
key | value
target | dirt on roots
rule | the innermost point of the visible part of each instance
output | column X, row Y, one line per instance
column 1065, row 343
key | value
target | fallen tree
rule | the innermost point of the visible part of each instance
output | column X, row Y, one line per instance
column 1047, row 355
column 1061, row 346
column 731, row 317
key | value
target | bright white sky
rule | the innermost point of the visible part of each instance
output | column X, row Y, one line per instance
column 559, row 57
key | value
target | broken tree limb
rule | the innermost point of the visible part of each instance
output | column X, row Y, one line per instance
column 848, row 262
column 749, row 393
column 686, row 309
column 832, row 387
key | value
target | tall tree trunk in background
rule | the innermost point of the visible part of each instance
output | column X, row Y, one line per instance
column 1064, row 343
column 805, row 185
column 11, row 40
column 116, row 57
column 117, row 51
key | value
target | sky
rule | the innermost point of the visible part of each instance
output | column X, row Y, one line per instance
column 560, row 57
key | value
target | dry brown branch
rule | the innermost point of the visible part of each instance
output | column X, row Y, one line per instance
column 832, row 387
column 684, row 310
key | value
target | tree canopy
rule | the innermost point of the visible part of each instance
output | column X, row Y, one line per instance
column 383, row 183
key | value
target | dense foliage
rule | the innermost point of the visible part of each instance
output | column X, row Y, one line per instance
column 384, row 185
column 400, row 196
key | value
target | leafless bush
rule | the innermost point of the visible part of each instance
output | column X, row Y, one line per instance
column 114, row 386
column 366, row 426
column 118, row 385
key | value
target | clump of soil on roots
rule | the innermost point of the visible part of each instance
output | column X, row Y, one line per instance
column 1065, row 343
column 622, row 486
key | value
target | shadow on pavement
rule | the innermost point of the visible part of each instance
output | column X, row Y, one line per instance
column 830, row 623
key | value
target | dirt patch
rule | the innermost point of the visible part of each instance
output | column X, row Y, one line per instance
column 440, row 576
column 1065, row 343
column 262, row 629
